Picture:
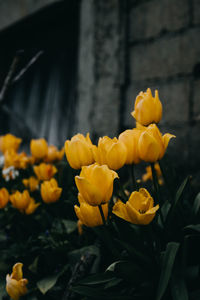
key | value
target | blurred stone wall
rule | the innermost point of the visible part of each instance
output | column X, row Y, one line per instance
column 129, row 45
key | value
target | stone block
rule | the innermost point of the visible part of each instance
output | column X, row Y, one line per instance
column 151, row 18
column 165, row 57
column 196, row 100
column 196, row 12
column 174, row 97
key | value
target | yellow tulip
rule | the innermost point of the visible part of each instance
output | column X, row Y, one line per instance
column 45, row 171
column 39, row 148
column 32, row 183
column 95, row 184
column 148, row 109
column 4, row 197
column 50, row 191
column 78, row 151
column 130, row 139
column 90, row 215
column 139, row 209
column 148, row 174
column 23, row 202
column 9, row 142
column 15, row 283
column 53, row 154
column 110, row 152
column 152, row 145
column 17, row 160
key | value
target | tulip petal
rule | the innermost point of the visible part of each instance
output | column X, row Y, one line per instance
column 120, row 210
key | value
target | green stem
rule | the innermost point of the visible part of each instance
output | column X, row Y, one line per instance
column 102, row 215
column 156, row 188
column 166, row 181
column 134, row 183
column 122, row 194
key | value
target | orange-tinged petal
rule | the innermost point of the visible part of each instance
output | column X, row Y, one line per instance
column 116, row 156
column 120, row 210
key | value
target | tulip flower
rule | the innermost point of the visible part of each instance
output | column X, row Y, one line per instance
column 15, row 283
column 139, row 209
column 130, row 139
column 9, row 142
column 148, row 174
column 17, row 160
column 148, row 109
column 152, row 145
column 4, row 197
column 78, row 151
column 39, row 148
column 110, row 152
column 45, row 171
column 50, row 191
column 90, row 215
column 53, row 154
column 23, row 202
column 95, row 184
column 32, row 183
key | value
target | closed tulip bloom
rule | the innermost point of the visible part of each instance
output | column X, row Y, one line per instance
column 78, row 151
column 9, row 142
column 45, row 171
column 139, row 209
column 39, row 148
column 148, row 109
column 23, row 202
column 95, row 184
column 90, row 215
column 110, row 152
column 152, row 145
column 4, row 197
column 50, row 191
column 130, row 139
column 31, row 183
column 15, row 283
column 54, row 154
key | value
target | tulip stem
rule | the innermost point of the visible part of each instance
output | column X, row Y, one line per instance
column 102, row 215
column 134, row 183
column 156, row 188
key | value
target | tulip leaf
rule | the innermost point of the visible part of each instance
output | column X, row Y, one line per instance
column 195, row 227
column 178, row 286
column 97, row 279
column 98, row 294
column 196, row 205
column 167, row 266
column 47, row 283
column 2, row 289
column 69, row 225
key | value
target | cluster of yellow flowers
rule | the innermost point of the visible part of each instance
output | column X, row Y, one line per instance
column 42, row 159
column 99, row 163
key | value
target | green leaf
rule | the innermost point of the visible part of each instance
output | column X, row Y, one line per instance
column 69, row 225
column 47, row 283
column 196, row 205
column 195, row 227
column 2, row 288
column 96, row 279
column 178, row 286
column 167, row 266
column 75, row 255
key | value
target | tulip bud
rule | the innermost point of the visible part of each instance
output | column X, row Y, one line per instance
column 79, row 151
column 15, row 283
column 152, row 145
column 110, row 152
column 148, row 109
column 45, row 171
column 130, row 139
column 4, row 197
column 23, row 202
column 95, row 184
column 32, row 183
column 139, row 209
column 50, row 191
column 39, row 148
column 53, row 154
column 9, row 142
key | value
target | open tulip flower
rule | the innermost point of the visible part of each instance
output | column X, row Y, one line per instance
column 17, row 160
column 152, row 145
column 78, row 151
column 110, row 152
column 39, row 148
column 95, row 184
column 148, row 109
column 139, row 209
column 9, row 142
column 4, row 197
column 45, row 171
column 130, row 139
column 15, row 283
column 32, row 183
column 53, row 154
column 90, row 215
column 24, row 202
column 50, row 191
